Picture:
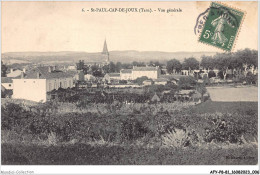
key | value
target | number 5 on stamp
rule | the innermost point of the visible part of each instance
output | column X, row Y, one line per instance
column 222, row 26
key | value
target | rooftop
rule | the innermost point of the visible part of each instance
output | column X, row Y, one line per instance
column 6, row 80
column 15, row 69
column 161, row 80
column 114, row 74
column 126, row 71
column 46, row 72
column 172, row 76
column 145, row 68
column 147, row 81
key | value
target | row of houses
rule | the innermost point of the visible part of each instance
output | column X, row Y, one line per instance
column 36, row 83
column 133, row 74
column 253, row 70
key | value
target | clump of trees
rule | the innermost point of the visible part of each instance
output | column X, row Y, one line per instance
column 174, row 65
column 187, row 82
column 140, row 80
column 235, row 64
column 239, row 63
column 188, row 64
column 3, row 69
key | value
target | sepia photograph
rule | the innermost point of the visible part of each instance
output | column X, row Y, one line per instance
column 129, row 83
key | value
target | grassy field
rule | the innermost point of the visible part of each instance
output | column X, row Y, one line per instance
column 229, row 94
column 146, row 150
column 225, row 107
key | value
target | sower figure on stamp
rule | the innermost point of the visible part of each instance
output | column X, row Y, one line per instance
column 220, row 23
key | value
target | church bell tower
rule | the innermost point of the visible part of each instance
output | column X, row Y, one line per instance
column 105, row 52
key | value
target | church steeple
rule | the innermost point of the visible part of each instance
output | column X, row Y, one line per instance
column 105, row 51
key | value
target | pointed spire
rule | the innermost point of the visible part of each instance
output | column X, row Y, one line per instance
column 105, row 50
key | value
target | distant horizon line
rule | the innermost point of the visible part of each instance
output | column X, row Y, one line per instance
column 108, row 51
column 125, row 51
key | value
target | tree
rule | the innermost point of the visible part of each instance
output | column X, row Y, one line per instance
column 3, row 69
column 110, row 68
column 173, row 65
column 170, row 86
column 211, row 74
column 251, row 78
column 127, row 66
column 81, row 66
column 156, row 88
column 223, row 62
column 96, row 71
column 207, row 62
column 105, row 69
column 94, row 68
column 190, row 64
column 245, row 59
column 187, row 82
column 118, row 66
column 122, row 82
column 202, row 90
column 205, row 79
column 135, row 63
column 155, row 63
column 140, row 80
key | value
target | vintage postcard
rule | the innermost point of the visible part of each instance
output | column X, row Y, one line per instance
column 129, row 83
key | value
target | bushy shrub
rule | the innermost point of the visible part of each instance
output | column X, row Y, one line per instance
column 211, row 74
column 175, row 139
column 205, row 79
column 251, row 78
column 132, row 129
column 140, row 80
column 11, row 116
column 224, row 128
column 52, row 139
column 116, row 125
column 122, row 82
column 187, row 82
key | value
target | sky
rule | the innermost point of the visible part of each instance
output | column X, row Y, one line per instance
column 62, row 26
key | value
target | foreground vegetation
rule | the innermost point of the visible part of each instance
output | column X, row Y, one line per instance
column 166, row 133
column 84, row 154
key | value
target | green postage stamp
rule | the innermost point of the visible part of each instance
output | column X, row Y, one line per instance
column 222, row 26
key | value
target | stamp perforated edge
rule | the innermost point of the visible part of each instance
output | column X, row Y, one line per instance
column 238, row 31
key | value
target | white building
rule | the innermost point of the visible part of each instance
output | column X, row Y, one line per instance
column 187, row 72
column 89, row 77
column 126, row 74
column 150, row 72
column 35, row 84
column 147, row 82
column 7, row 83
column 109, row 77
column 72, row 67
column 161, row 81
column 137, row 72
